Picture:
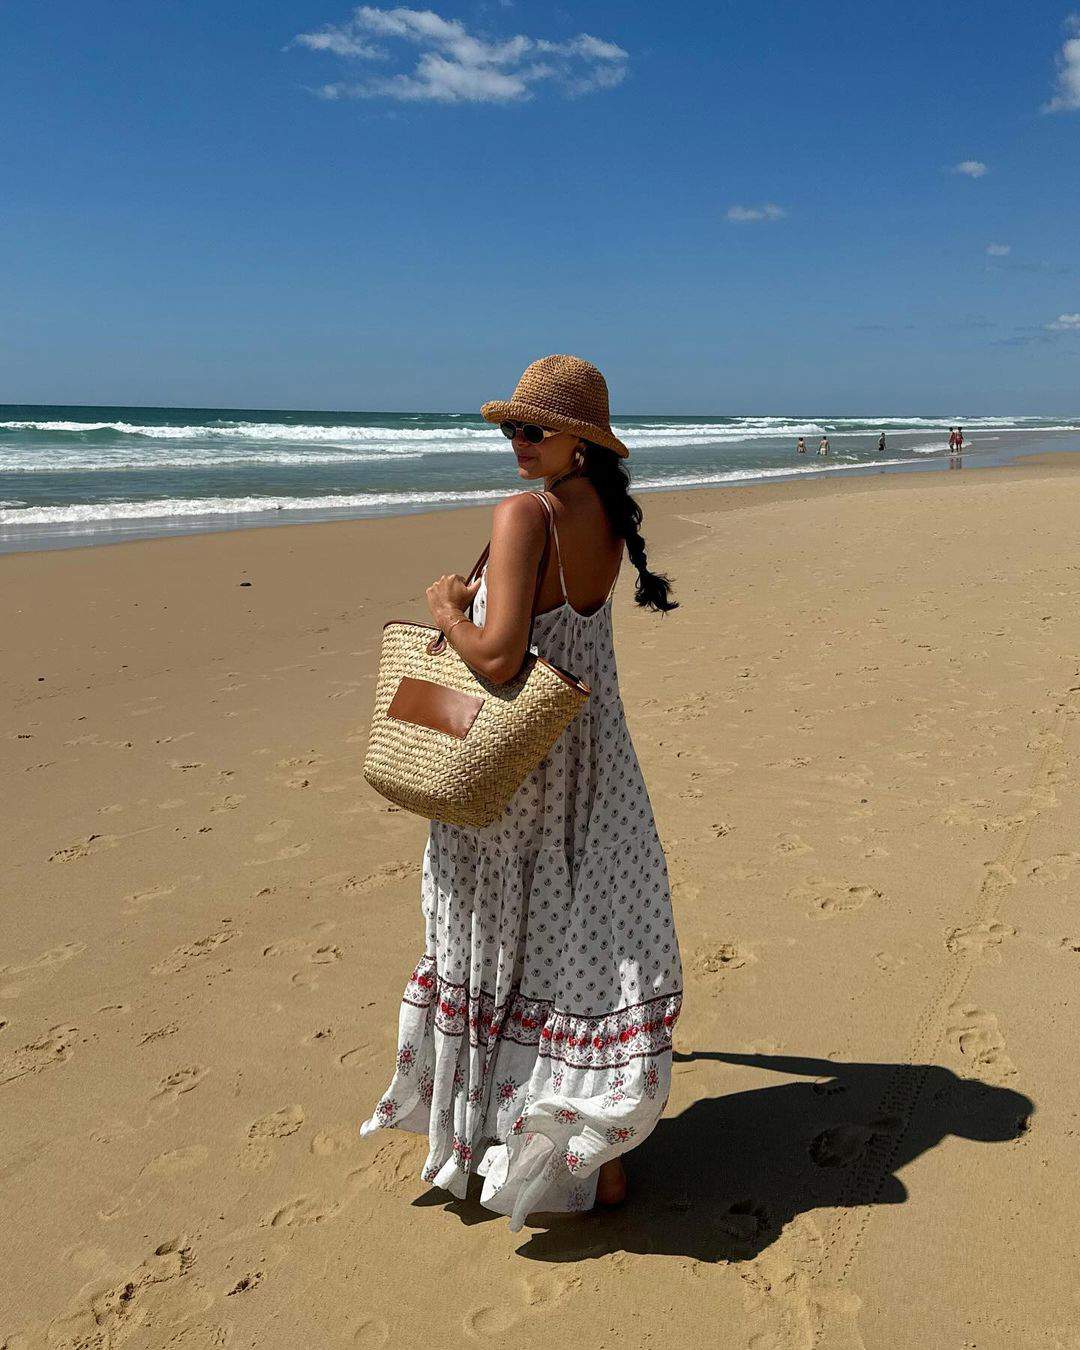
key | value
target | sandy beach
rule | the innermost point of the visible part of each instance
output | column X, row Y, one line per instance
column 859, row 733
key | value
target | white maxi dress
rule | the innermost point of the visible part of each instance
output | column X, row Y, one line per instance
column 534, row 1037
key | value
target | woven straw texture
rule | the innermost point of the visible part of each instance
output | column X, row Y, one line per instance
column 467, row 781
column 561, row 393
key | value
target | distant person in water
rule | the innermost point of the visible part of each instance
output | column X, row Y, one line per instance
column 959, row 438
column 952, row 438
column 881, row 442
column 800, row 446
column 823, row 448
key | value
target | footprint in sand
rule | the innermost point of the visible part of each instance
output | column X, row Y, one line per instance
column 318, row 954
column 14, row 979
column 726, row 956
column 54, row 1047
column 328, row 1143
column 229, row 803
column 307, row 976
column 980, row 1041
column 307, row 1209
column 170, row 1029
column 84, row 848
column 191, row 952
column 383, row 876
column 278, row 1124
column 827, row 897
column 257, row 1155
column 155, row 1293
column 548, row 1289
column 792, row 845
column 889, row 962
column 176, row 1084
column 745, row 1224
column 246, row 1283
column 842, row 1145
column 487, row 1323
column 978, row 938
column 177, row 1161
column 393, row 1166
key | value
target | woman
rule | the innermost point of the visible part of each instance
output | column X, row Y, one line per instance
column 534, row 1039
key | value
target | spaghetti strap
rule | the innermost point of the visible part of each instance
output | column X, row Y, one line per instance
column 611, row 592
column 555, row 533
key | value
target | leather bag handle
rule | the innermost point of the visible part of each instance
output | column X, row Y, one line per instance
column 438, row 644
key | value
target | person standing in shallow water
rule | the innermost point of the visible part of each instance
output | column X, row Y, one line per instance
column 534, row 1036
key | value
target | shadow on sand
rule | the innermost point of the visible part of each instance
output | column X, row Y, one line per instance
column 720, row 1181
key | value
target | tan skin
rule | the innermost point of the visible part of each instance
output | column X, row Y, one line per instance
column 591, row 554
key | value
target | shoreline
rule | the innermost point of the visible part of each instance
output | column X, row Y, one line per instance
column 711, row 498
column 49, row 538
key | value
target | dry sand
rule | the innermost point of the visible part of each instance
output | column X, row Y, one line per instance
column 860, row 735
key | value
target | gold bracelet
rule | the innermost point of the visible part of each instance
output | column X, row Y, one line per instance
column 448, row 631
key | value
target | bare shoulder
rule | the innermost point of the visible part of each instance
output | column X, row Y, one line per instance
column 518, row 515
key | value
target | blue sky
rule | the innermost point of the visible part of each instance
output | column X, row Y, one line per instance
column 735, row 206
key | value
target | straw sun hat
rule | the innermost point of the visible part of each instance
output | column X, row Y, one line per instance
column 561, row 393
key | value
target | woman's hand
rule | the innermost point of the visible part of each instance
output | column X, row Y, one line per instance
column 449, row 597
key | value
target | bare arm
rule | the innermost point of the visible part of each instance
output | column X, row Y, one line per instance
column 497, row 650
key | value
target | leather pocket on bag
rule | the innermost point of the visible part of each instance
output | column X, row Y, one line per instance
column 425, row 704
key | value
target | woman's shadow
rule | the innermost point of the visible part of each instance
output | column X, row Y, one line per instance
column 720, row 1181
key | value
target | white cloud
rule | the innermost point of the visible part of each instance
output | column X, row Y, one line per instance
column 1067, row 97
column 743, row 214
column 338, row 42
column 970, row 168
column 456, row 66
column 999, row 250
column 1065, row 323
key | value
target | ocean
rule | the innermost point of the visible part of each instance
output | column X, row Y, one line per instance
column 81, row 475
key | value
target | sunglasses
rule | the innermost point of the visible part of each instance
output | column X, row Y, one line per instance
column 528, row 430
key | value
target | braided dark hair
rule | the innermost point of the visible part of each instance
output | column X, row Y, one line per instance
column 605, row 470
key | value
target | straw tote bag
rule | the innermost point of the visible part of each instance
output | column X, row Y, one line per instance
column 450, row 745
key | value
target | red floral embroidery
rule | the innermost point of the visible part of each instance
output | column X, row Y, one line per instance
column 602, row 1042
column 518, row 1125
column 574, row 1161
column 462, row 1152
column 386, row 1110
column 619, row 1134
column 652, row 1080
column 406, row 1057
column 566, row 1114
column 507, row 1090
